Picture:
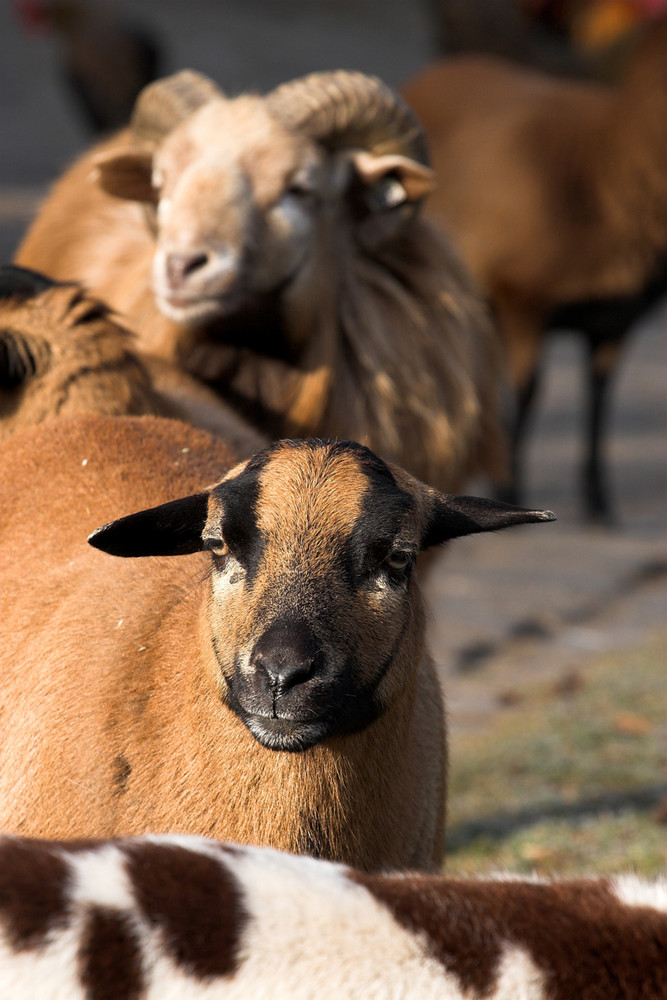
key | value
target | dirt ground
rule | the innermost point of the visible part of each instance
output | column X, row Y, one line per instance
column 530, row 603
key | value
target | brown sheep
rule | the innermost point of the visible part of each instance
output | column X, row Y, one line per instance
column 274, row 246
column 199, row 920
column 271, row 686
column 62, row 353
column 556, row 194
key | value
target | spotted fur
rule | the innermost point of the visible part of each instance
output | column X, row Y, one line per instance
column 163, row 917
column 271, row 687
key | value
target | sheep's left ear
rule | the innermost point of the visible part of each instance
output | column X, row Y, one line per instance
column 126, row 173
column 453, row 516
column 172, row 529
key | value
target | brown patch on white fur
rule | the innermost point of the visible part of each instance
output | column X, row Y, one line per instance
column 582, row 939
column 200, row 919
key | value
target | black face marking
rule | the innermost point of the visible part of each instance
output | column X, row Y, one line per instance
column 110, row 957
column 385, row 507
column 239, row 530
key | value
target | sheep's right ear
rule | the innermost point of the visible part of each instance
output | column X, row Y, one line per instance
column 126, row 173
column 172, row 529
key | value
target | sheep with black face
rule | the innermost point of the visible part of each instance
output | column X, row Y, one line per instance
column 272, row 686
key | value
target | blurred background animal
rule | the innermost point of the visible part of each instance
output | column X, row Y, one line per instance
column 555, row 192
column 274, row 247
column 105, row 59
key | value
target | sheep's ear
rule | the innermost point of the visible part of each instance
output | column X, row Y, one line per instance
column 126, row 173
column 453, row 516
column 392, row 180
column 22, row 357
column 172, row 529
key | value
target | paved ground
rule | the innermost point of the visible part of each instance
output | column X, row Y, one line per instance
column 506, row 608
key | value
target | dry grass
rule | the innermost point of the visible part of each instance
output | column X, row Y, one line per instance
column 570, row 780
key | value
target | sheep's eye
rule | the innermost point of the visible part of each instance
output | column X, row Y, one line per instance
column 299, row 189
column 398, row 560
column 218, row 548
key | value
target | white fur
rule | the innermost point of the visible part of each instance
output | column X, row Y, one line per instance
column 312, row 933
column 635, row 891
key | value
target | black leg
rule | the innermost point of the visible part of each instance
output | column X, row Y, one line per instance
column 595, row 488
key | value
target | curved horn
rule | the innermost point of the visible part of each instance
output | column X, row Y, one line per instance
column 345, row 108
column 163, row 104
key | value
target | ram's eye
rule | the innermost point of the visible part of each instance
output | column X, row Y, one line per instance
column 398, row 560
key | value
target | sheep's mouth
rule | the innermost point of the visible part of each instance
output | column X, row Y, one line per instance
column 333, row 714
column 284, row 734
column 191, row 308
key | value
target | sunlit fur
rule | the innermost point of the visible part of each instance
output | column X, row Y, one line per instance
column 182, row 917
column 298, row 317
column 62, row 352
column 120, row 652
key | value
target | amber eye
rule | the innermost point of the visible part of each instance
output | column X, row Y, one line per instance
column 217, row 547
column 398, row 560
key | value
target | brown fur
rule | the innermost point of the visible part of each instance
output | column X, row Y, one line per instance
column 553, row 190
column 386, row 344
column 119, row 652
column 230, row 921
column 67, row 355
column 586, row 942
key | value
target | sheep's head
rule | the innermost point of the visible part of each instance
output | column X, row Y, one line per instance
column 314, row 614
column 61, row 352
column 246, row 190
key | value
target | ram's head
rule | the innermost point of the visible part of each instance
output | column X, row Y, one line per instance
column 248, row 194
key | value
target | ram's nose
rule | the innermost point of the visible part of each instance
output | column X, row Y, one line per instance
column 179, row 267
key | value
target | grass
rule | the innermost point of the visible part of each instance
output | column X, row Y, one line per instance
column 572, row 779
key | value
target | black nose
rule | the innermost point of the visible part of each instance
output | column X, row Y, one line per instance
column 287, row 654
column 181, row 265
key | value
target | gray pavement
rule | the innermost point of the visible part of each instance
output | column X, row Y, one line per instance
column 506, row 609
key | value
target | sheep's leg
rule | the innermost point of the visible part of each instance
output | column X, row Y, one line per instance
column 522, row 333
column 602, row 360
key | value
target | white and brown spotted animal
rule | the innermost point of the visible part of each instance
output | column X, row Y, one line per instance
column 181, row 917
column 62, row 352
column 274, row 245
column 270, row 686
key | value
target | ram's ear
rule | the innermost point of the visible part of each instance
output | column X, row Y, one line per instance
column 453, row 516
column 172, row 529
column 392, row 180
column 386, row 195
column 126, row 173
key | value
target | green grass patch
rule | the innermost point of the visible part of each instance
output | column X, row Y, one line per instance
column 571, row 779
